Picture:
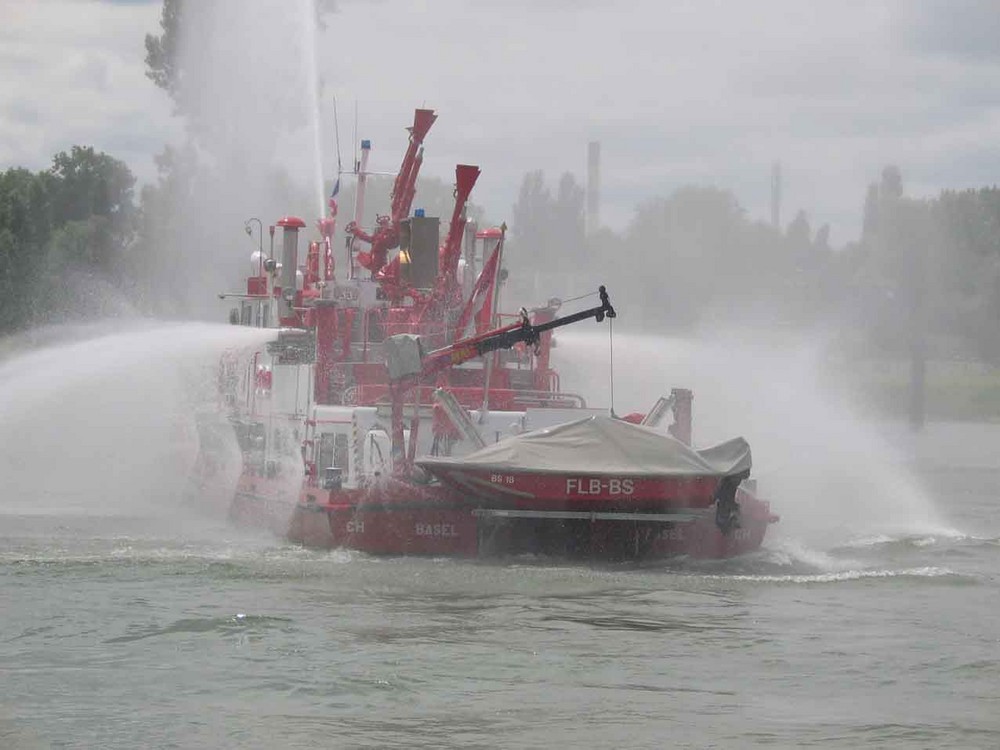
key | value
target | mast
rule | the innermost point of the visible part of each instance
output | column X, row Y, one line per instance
column 359, row 199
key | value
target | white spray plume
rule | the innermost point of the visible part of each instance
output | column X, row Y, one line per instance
column 826, row 470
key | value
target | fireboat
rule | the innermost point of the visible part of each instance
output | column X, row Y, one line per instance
column 396, row 411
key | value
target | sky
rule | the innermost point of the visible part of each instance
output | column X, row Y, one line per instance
column 705, row 92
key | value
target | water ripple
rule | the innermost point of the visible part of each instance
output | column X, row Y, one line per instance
column 853, row 575
column 239, row 623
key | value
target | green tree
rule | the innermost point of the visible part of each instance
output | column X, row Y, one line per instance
column 966, row 271
column 822, row 239
column 683, row 253
column 163, row 59
column 569, row 216
column 531, row 215
column 891, row 185
column 799, row 231
column 97, row 190
column 64, row 233
column 25, row 227
column 869, row 224
column 551, row 254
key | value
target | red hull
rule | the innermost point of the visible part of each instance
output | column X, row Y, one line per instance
column 535, row 491
column 416, row 520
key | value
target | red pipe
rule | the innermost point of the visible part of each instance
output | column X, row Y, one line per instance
column 326, row 335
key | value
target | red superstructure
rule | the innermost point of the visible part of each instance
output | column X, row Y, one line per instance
column 369, row 420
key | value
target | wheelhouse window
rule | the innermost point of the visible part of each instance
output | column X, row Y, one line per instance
column 333, row 450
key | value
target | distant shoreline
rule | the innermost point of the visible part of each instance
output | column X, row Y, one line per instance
column 956, row 390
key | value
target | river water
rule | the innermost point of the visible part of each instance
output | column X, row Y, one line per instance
column 134, row 620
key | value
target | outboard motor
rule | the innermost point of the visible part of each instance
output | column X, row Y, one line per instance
column 727, row 510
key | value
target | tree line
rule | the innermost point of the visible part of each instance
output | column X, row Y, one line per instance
column 926, row 269
column 75, row 243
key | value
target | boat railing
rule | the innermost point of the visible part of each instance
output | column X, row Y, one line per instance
column 550, row 399
column 509, row 399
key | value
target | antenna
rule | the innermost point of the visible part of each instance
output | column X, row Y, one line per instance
column 357, row 161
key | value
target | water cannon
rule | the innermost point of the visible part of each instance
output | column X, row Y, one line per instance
column 326, row 227
column 465, row 179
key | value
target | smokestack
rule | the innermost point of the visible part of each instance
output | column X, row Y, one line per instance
column 290, row 226
column 776, row 195
column 593, row 186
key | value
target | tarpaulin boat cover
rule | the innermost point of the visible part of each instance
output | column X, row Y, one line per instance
column 602, row 445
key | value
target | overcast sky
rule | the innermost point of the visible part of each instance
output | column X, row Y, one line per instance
column 705, row 92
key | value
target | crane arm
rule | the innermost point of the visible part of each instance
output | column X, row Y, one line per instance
column 408, row 365
column 463, row 350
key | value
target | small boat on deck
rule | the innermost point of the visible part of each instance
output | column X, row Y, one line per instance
column 603, row 486
column 594, row 463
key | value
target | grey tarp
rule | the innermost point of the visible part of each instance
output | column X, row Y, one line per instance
column 602, row 445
